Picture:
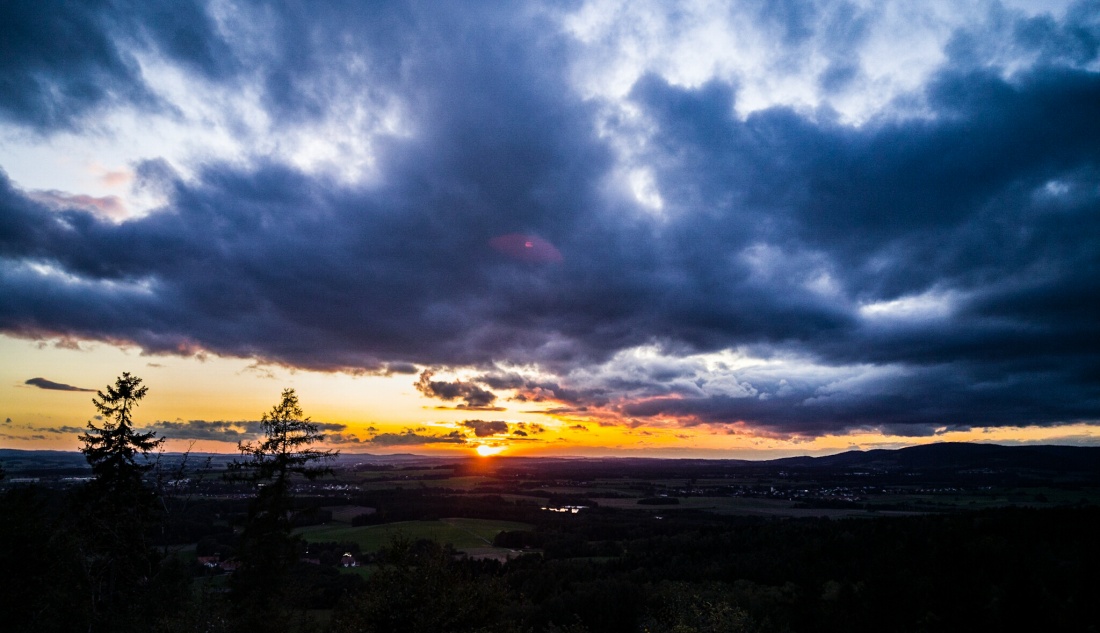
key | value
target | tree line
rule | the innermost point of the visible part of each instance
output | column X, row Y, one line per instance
column 88, row 562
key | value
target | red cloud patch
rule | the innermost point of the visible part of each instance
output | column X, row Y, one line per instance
column 526, row 248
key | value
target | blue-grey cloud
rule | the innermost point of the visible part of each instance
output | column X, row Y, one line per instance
column 43, row 383
column 411, row 438
column 486, row 428
column 63, row 430
column 225, row 430
column 61, row 61
column 945, row 256
column 472, row 395
column 344, row 438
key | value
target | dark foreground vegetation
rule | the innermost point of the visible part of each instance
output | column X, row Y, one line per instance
column 288, row 538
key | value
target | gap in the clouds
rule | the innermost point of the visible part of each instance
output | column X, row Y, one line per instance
column 197, row 399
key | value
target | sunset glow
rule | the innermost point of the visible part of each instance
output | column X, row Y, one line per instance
column 486, row 450
column 593, row 228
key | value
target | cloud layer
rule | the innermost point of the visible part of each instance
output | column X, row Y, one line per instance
column 695, row 244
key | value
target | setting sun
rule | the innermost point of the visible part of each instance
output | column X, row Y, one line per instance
column 485, row 450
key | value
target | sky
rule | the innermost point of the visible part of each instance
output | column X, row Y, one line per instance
column 692, row 229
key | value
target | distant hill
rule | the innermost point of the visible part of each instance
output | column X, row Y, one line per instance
column 959, row 456
column 57, row 458
column 943, row 457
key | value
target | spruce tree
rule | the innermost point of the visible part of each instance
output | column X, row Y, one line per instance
column 268, row 547
column 112, row 450
column 117, row 510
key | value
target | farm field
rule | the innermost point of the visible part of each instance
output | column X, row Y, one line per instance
column 747, row 506
column 450, row 483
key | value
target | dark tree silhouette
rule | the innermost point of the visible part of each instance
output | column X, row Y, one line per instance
column 113, row 448
column 268, row 547
column 117, row 511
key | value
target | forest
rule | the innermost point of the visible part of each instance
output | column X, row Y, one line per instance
column 288, row 537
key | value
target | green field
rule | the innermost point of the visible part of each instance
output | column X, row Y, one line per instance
column 461, row 533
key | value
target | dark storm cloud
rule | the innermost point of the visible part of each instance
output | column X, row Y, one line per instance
column 951, row 194
column 401, row 368
column 42, row 383
column 216, row 430
column 411, row 438
column 223, row 430
column 60, row 61
column 542, row 390
column 343, row 438
column 777, row 227
column 473, row 396
column 483, row 428
column 917, row 402
column 406, row 271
